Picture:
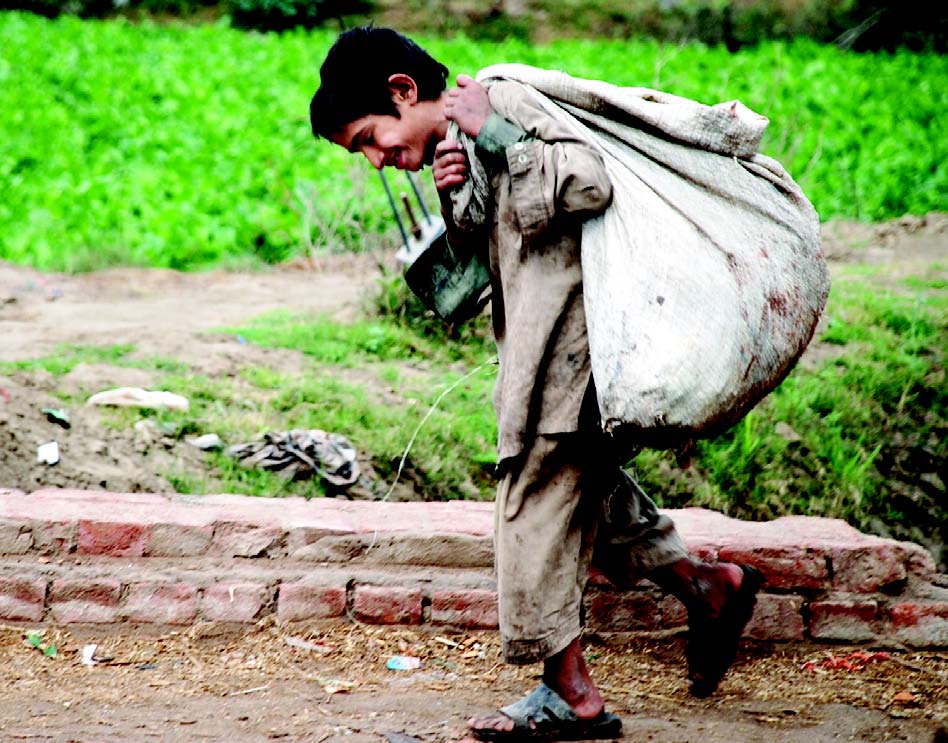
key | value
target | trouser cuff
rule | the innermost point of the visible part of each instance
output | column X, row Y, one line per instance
column 525, row 652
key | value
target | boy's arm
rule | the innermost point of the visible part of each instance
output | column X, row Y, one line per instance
column 552, row 172
column 449, row 169
column 496, row 136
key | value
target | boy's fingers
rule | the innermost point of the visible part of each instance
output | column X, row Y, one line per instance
column 449, row 181
column 464, row 80
column 451, row 158
column 447, row 145
column 457, row 169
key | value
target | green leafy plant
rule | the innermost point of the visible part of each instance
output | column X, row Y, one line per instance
column 189, row 146
column 35, row 640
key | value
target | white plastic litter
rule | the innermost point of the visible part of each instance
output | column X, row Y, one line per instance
column 136, row 397
column 207, row 442
column 88, row 653
column 48, row 453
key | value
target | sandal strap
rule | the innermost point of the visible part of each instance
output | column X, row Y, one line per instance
column 543, row 706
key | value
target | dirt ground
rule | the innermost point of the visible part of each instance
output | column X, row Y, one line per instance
column 332, row 684
column 320, row 684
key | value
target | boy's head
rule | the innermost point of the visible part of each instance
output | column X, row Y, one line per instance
column 380, row 94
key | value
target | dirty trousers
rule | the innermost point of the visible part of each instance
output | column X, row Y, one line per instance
column 562, row 505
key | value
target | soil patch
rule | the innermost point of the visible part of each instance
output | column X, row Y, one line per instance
column 94, row 455
column 331, row 684
column 165, row 315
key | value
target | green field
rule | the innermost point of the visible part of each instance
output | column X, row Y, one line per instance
column 189, row 146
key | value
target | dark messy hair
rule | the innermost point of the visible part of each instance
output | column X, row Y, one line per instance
column 354, row 77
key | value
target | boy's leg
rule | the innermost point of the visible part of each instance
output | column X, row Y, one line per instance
column 636, row 541
column 634, row 538
column 545, row 527
column 545, row 531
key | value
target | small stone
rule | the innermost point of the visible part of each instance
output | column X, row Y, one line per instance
column 905, row 698
column 785, row 432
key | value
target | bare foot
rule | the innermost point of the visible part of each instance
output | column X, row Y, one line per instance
column 703, row 587
column 499, row 722
column 598, row 578
column 567, row 674
column 720, row 599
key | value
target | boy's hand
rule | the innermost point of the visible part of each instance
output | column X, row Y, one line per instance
column 450, row 164
column 468, row 105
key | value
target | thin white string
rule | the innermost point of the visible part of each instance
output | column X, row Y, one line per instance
column 411, row 441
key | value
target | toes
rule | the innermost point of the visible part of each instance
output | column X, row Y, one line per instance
column 499, row 723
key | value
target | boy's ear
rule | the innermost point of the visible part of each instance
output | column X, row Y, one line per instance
column 403, row 87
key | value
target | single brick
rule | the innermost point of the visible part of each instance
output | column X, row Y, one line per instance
column 475, row 609
column 302, row 601
column 783, row 567
column 235, row 602
column 301, row 537
column 776, row 618
column 245, row 540
column 622, row 611
column 54, row 537
column 117, row 539
column 22, row 599
column 16, row 537
column 387, row 605
column 161, row 603
column 867, row 569
column 918, row 561
column 178, row 540
column 922, row 624
column 82, row 600
column 854, row 621
column 441, row 550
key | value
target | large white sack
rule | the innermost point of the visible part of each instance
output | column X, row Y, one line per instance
column 705, row 279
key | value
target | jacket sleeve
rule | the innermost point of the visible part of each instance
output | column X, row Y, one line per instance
column 552, row 171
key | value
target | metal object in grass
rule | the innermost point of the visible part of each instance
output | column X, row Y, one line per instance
column 418, row 236
column 450, row 284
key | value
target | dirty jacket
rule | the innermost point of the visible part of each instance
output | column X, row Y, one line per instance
column 543, row 184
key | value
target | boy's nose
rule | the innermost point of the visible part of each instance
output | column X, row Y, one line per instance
column 375, row 157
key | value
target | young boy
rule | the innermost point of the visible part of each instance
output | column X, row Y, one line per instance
column 564, row 506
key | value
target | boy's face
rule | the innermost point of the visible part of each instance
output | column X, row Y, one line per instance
column 406, row 142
